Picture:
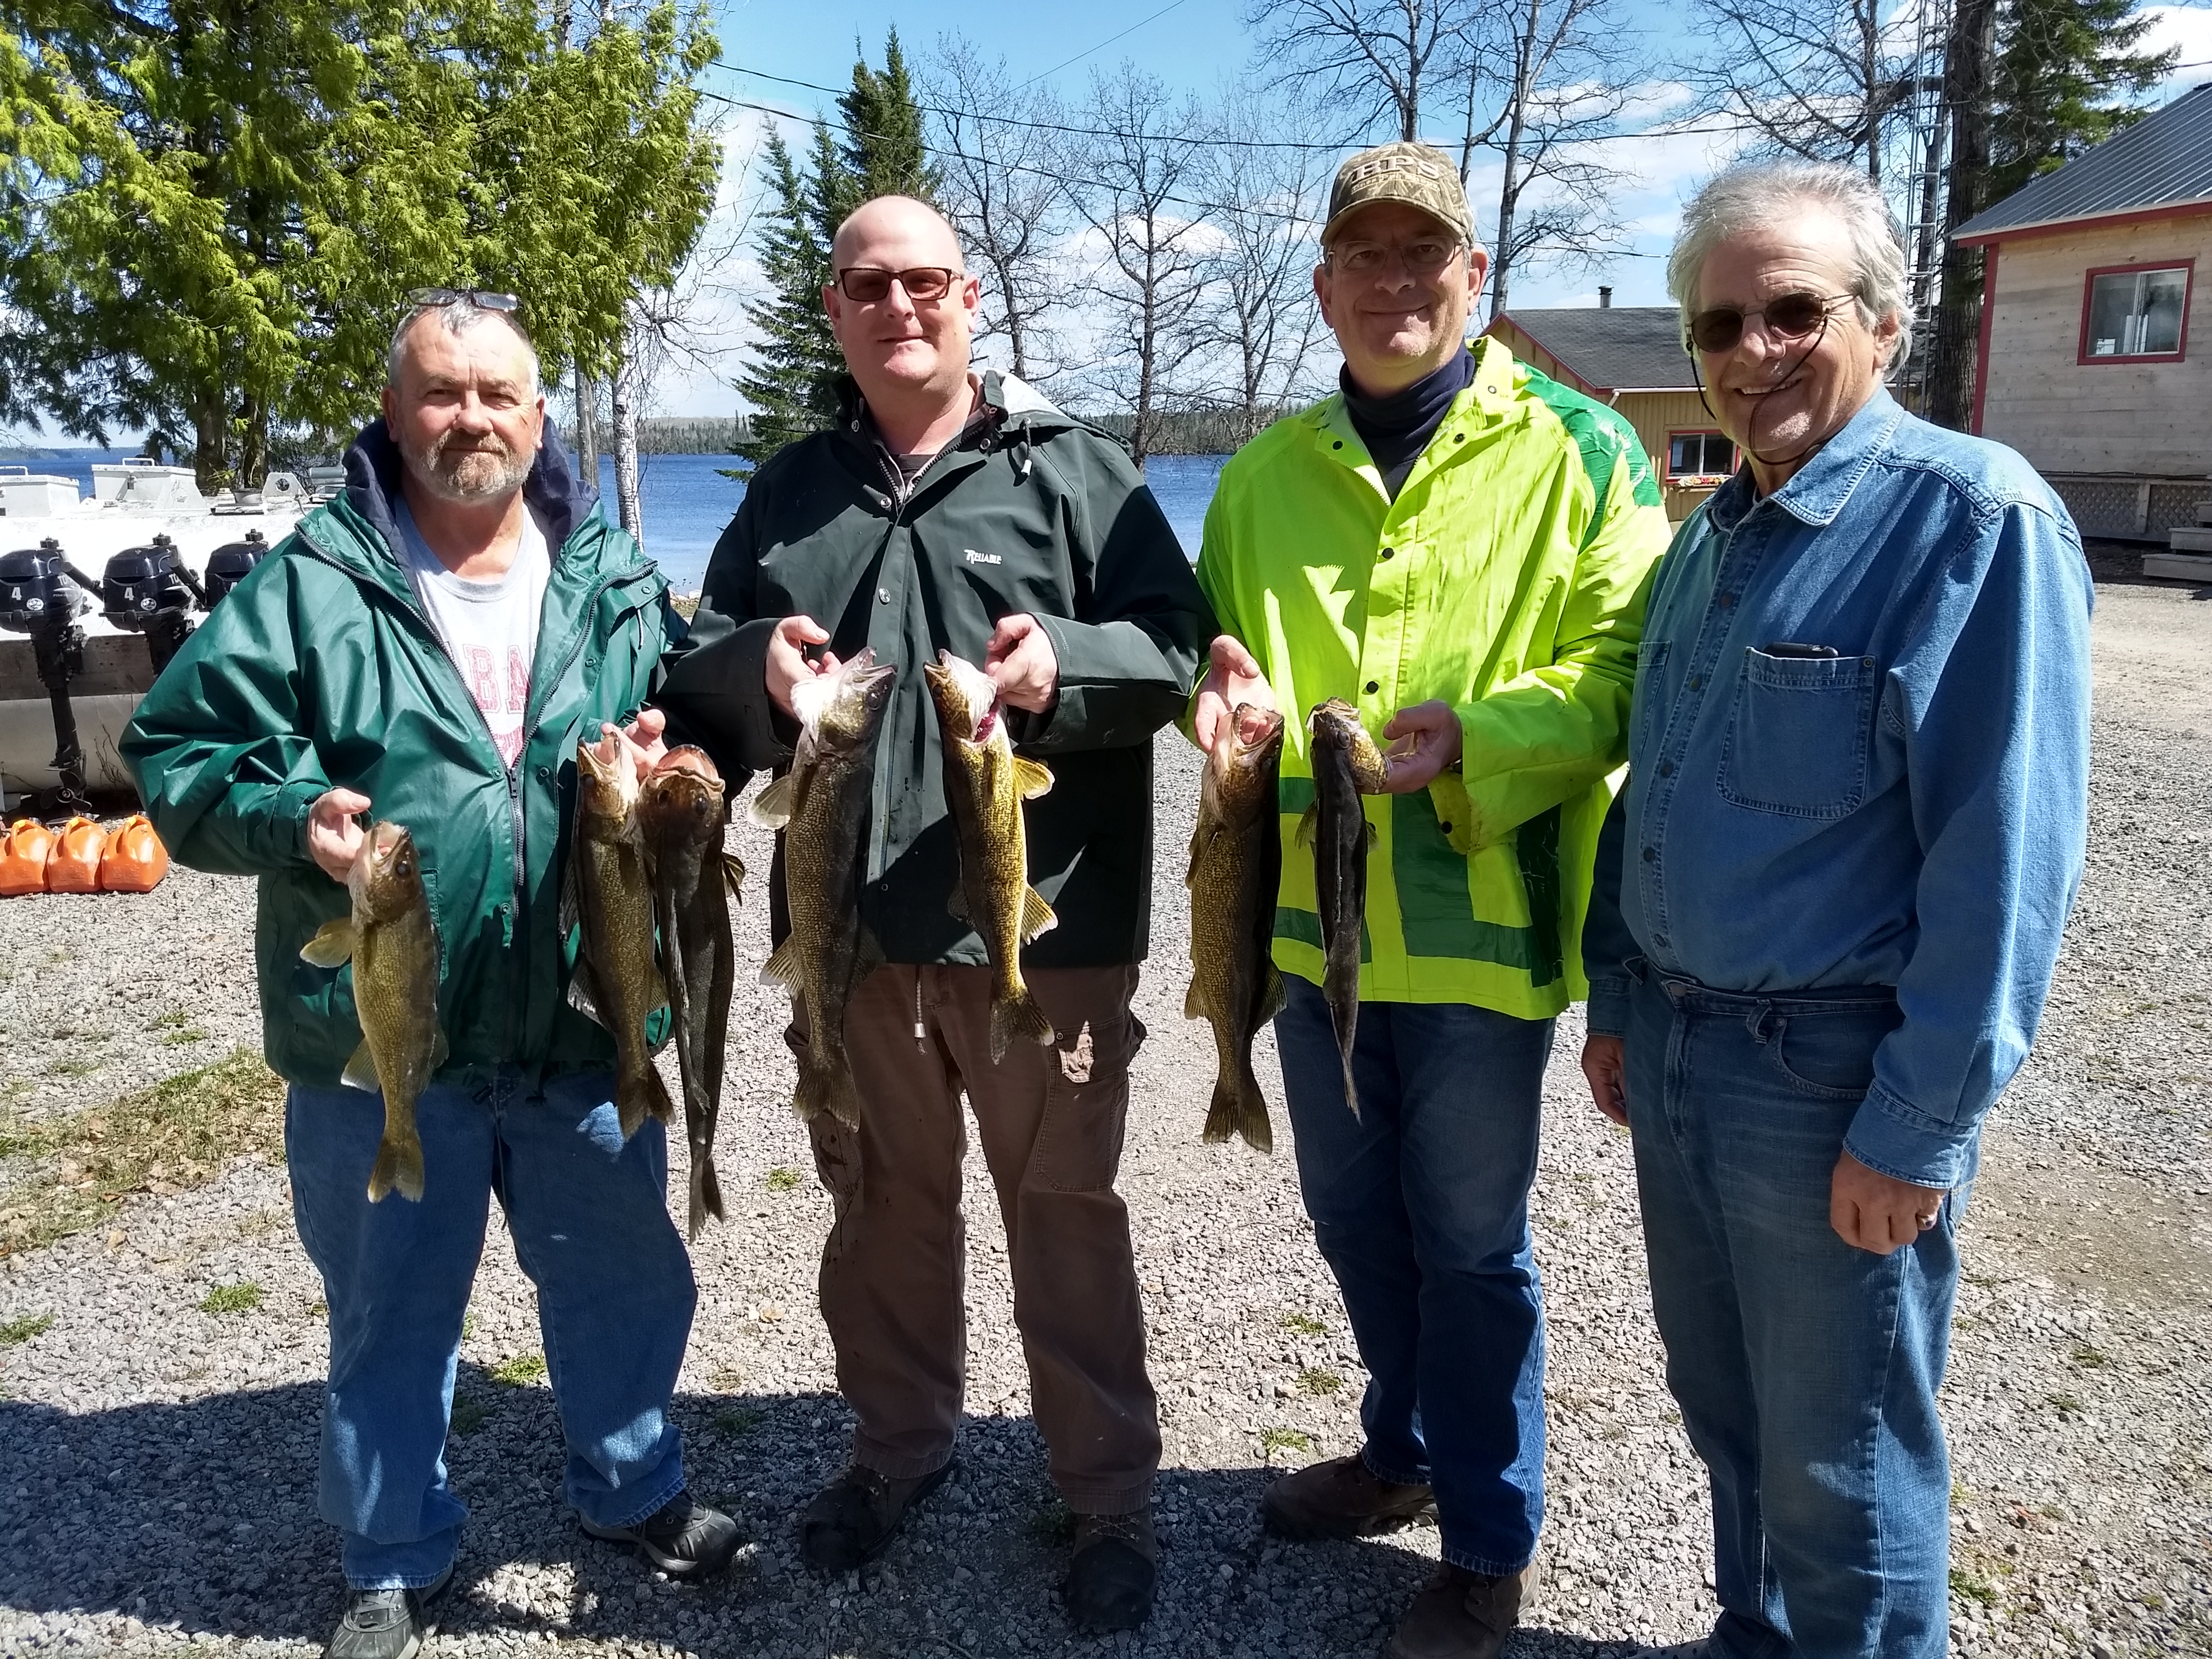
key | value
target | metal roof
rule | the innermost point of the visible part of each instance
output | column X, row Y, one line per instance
column 1613, row 348
column 2165, row 160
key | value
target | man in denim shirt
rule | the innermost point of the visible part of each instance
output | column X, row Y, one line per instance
column 1828, row 905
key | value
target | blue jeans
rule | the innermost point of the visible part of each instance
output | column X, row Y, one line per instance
column 1805, row 1369
column 1420, row 1208
column 589, row 1218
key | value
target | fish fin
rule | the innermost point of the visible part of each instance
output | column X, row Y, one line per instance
column 1036, row 914
column 439, row 1052
column 572, row 903
column 956, row 903
column 867, row 957
column 333, row 944
column 781, row 967
column 1031, row 779
column 771, row 808
column 733, row 873
column 584, row 992
column 361, row 1070
column 1273, row 999
column 830, row 1089
column 1372, row 835
column 1194, row 1004
column 1017, row 1019
column 1307, row 821
column 398, row 1168
column 1239, row 1109
column 639, row 1095
column 706, row 1193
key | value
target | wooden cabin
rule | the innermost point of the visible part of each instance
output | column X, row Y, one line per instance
column 1631, row 357
column 2086, row 363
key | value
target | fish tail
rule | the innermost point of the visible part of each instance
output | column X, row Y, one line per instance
column 640, row 1094
column 1238, row 1107
column 399, row 1166
column 1015, row 1017
column 828, row 1087
column 706, row 1193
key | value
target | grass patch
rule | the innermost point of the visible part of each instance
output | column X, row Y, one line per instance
column 318, row 1309
column 2089, row 1359
column 520, row 1371
column 1304, row 1325
column 469, row 1414
column 1314, row 1380
column 73, row 1066
column 780, row 1179
column 1968, row 1587
column 2065, row 1404
column 232, row 1298
column 177, row 1135
column 1275, row 1437
column 23, row 1329
column 1053, row 1522
column 183, row 1037
column 739, row 1421
column 468, row 1325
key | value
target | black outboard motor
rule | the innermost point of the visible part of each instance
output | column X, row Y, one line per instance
column 35, row 599
column 227, row 565
column 148, row 589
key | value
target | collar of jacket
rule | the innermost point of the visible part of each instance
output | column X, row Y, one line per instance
column 1816, row 492
column 1018, row 417
column 373, row 468
column 1490, row 397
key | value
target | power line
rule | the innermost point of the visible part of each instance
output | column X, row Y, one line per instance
column 1101, row 46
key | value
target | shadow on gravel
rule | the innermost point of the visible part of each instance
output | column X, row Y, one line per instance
column 201, row 1516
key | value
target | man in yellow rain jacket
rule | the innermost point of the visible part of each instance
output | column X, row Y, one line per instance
column 1459, row 547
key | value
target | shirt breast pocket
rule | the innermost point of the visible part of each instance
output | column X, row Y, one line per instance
column 1651, row 691
column 1797, row 737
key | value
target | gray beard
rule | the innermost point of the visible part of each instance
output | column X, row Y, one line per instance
column 474, row 475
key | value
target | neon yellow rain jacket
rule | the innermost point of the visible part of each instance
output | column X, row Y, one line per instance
column 1507, row 579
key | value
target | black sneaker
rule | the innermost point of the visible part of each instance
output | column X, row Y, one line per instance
column 385, row 1623
column 855, row 1516
column 1111, row 1575
column 683, row 1537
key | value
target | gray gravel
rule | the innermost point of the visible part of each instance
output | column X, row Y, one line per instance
column 156, row 1462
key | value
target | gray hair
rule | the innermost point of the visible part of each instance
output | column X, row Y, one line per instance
column 1757, row 195
column 459, row 316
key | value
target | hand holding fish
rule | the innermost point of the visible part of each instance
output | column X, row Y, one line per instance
column 1233, row 677
column 1425, row 739
column 787, row 659
column 645, row 741
column 334, row 838
column 1022, row 664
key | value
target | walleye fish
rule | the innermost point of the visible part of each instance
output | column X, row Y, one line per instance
column 695, row 883
column 1236, row 865
column 1346, row 765
column 821, row 807
column 986, row 783
column 608, row 888
column 392, row 944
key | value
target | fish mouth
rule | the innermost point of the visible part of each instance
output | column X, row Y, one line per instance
column 967, row 693
column 687, row 758
column 1257, row 727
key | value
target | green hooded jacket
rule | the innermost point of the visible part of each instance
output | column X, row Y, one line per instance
column 1028, row 510
column 320, row 671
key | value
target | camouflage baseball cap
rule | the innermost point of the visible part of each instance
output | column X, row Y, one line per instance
column 1419, row 175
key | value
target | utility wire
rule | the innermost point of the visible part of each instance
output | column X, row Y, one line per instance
column 1101, row 46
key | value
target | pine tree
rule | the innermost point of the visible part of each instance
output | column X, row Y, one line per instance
column 792, row 380
column 2067, row 71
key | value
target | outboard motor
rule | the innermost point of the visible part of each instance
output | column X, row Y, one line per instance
column 227, row 565
column 36, row 598
column 148, row 589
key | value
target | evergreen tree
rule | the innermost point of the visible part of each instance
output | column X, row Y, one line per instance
column 2066, row 73
column 791, row 382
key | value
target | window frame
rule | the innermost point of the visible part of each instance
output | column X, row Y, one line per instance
column 2187, row 265
column 1691, row 478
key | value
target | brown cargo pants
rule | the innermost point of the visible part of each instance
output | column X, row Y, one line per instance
column 1051, row 1122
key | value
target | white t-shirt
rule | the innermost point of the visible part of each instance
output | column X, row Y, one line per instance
column 489, row 629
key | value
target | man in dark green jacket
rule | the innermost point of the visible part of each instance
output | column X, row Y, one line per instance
column 957, row 511
column 429, row 649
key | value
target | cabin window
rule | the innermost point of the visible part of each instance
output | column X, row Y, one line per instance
column 1700, row 455
column 2137, row 313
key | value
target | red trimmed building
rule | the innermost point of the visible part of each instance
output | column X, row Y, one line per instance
column 2093, row 361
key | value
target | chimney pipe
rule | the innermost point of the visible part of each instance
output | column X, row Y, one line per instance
column 1604, row 298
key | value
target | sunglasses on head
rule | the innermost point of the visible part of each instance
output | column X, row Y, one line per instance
column 864, row 285
column 1789, row 316
column 484, row 299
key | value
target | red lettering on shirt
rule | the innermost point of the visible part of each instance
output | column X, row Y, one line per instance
column 518, row 685
column 483, row 684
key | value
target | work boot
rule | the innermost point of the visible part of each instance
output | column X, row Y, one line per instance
column 1463, row 1615
column 385, row 1623
column 683, row 1537
column 1342, row 1497
column 1111, row 1574
column 855, row 1516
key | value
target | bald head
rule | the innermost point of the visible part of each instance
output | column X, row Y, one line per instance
column 907, row 221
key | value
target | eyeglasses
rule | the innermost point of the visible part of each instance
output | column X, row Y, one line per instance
column 864, row 285
column 1422, row 258
column 1789, row 316
column 429, row 299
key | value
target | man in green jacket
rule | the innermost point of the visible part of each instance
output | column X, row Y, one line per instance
column 1459, row 548
column 429, row 649
column 957, row 511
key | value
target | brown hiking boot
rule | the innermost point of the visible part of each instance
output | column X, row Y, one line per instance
column 855, row 1516
column 1112, row 1573
column 1342, row 1499
column 1463, row 1615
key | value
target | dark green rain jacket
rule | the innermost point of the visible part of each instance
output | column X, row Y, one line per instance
column 320, row 671
column 1030, row 510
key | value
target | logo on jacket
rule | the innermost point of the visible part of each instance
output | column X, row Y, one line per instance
column 973, row 557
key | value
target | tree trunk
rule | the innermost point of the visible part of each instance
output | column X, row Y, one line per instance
column 253, row 444
column 625, row 445
column 211, row 442
column 1509, row 192
column 586, row 434
column 1968, row 57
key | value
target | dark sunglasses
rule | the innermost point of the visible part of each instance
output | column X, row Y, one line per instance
column 431, row 299
column 1790, row 317
column 864, row 285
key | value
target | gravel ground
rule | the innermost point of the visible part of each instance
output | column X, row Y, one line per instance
column 157, row 1460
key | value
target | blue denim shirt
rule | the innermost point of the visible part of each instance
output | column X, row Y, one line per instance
column 1910, row 812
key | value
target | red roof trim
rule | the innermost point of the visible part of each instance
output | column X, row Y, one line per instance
column 2095, row 221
